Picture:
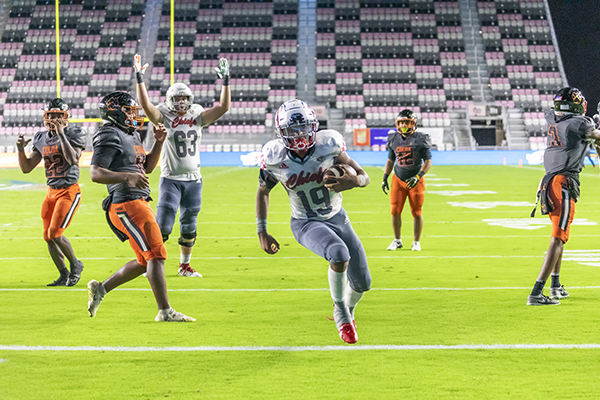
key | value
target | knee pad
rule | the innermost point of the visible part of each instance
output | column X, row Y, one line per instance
column 396, row 210
column 51, row 234
column 338, row 253
column 187, row 239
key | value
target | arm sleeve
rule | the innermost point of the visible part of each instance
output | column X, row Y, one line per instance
column 106, row 147
column 426, row 148
column 266, row 179
column 103, row 156
column 391, row 155
column 77, row 138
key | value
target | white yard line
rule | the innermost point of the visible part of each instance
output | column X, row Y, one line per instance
column 144, row 349
column 290, row 290
column 397, row 257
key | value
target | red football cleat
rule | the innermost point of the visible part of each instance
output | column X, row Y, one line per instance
column 186, row 270
column 348, row 333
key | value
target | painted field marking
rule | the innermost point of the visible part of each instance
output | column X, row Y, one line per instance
column 144, row 349
column 447, row 184
column 484, row 205
column 459, row 192
column 290, row 290
column 396, row 257
column 531, row 223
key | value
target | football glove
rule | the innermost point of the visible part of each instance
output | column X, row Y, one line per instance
column 384, row 184
column 223, row 71
column 412, row 181
column 139, row 69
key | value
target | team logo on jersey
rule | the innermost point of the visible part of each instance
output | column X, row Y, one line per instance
column 296, row 180
column 183, row 121
column 283, row 166
column 321, row 159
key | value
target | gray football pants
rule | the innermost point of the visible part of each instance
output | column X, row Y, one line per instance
column 336, row 241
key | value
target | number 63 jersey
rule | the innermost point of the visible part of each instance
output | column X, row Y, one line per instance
column 303, row 179
column 180, row 157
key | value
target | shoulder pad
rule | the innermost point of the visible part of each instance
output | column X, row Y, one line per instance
column 107, row 136
column 333, row 139
column 273, row 153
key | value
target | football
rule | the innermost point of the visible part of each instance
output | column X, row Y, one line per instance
column 335, row 171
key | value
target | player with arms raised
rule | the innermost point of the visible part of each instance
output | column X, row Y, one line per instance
column 298, row 159
column 180, row 181
column 409, row 154
column 121, row 163
column 569, row 134
column 60, row 147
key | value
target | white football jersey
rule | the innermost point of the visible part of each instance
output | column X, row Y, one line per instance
column 309, row 198
column 180, row 153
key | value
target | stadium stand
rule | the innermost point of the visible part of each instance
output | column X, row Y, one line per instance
column 373, row 58
column 95, row 39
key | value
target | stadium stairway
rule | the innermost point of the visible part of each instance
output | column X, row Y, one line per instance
column 148, row 36
column 517, row 135
column 475, row 51
column 307, row 52
column 4, row 16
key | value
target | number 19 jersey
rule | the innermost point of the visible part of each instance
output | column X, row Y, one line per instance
column 180, row 159
column 303, row 180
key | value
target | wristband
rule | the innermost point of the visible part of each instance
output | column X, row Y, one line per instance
column 226, row 80
column 385, row 177
column 420, row 174
column 362, row 180
column 261, row 225
column 140, row 77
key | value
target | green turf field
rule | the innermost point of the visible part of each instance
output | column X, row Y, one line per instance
column 427, row 330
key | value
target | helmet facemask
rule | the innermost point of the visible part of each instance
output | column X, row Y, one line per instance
column 134, row 119
column 180, row 104
column 298, row 137
column 406, row 126
column 53, row 115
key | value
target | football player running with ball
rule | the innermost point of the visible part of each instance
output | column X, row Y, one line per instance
column 60, row 147
column 298, row 159
column 120, row 162
column 180, row 179
column 409, row 154
column 570, row 133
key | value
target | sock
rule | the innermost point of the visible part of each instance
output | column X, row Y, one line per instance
column 538, row 288
column 337, row 281
column 185, row 258
column 555, row 281
column 164, row 311
column 351, row 298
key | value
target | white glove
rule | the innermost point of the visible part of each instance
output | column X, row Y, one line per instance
column 223, row 68
column 137, row 64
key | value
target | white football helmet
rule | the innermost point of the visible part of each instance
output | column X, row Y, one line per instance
column 296, row 124
column 177, row 90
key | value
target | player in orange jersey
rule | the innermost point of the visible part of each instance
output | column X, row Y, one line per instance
column 60, row 147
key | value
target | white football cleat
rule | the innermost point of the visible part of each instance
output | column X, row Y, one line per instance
column 186, row 270
column 416, row 246
column 96, row 293
column 395, row 245
column 172, row 316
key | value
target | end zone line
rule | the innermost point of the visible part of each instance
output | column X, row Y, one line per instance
column 287, row 290
column 525, row 346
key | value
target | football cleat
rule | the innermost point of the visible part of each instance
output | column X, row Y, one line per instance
column 96, row 293
column 172, row 316
column 75, row 274
column 343, row 321
column 558, row 293
column 186, row 270
column 416, row 246
column 61, row 281
column 541, row 300
column 396, row 244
